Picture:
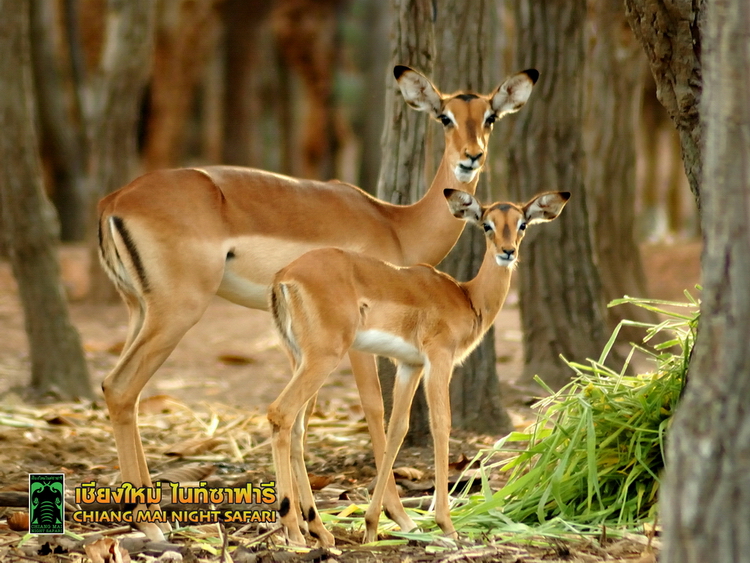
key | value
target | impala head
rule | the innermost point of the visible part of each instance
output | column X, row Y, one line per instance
column 466, row 117
column 505, row 223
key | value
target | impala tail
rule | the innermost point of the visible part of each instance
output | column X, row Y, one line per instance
column 280, row 298
column 120, row 258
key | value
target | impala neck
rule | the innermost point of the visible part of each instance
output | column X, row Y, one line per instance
column 488, row 290
column 427, row 229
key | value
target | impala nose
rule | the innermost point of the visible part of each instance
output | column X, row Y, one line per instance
column 474, row 157
column 510, row 253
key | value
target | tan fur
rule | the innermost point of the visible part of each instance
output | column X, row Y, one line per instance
column 330, row 300
column 198, row 232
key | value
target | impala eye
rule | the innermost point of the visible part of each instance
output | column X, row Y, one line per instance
column 445, row 120
column 522, row 227
column 487, row 227
column 490, row 120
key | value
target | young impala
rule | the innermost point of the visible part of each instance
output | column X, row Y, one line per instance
column 173, row 239
column 331, row 300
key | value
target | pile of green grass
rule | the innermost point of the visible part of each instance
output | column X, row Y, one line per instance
column 596, row 451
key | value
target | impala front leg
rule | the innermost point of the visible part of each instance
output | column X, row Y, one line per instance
column 407, row 380
column 437, row 389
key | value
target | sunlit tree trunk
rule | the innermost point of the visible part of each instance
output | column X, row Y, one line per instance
column 58, row 366
column 671, row 35
column 612, row 100
column 706, row 500
column 562, row 305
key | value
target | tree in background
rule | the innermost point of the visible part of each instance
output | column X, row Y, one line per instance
column 118, row 67
column 706, row 500
column 58, row 366
column 671, row 35
column 612, row 101
column 562, row 304
column 462, row 61
column 402, row 175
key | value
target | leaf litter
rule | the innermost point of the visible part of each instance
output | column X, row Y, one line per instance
column 223, row 446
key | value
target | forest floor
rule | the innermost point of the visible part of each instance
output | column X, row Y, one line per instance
column 202, row 419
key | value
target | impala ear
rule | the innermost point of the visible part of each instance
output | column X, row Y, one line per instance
column 418, row 92
column 463, row 205
column 512, row 94
column 545, row 207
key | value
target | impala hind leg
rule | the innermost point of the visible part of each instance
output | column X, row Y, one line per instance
column 407, row 380
column 151, row 345
column 283, row 414
column 437, row 390
column 309, row 512
column 365, row 372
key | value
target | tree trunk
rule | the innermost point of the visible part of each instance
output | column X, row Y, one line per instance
column 116, row 94
column 463, row 39
column 63, row 141
column 562, row 308
column 242, row 22
column 401, row 178
column 671, row 35
column 374, row 60
column 706, row 500
column 58, row 366
column 186, row 31
column 612, row 102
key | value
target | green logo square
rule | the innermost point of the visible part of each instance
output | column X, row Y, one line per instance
column 46, row 503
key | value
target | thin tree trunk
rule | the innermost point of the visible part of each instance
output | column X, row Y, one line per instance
column 61, row 123
column 671, row 35
column 612, row 100
column 242, row 22
column 706, row 500
column 463, row 39
column 562, row 306
column 401, row 178
column 116, row 93
column 58, row 366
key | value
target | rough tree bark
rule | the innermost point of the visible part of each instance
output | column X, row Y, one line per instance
column 402, row 178
column 462, row 41
column 402, row 175
column 116, row 90
column 562, row 306
column 706, row 500
column 671, row 34
column 612, row 100
column 58, row 366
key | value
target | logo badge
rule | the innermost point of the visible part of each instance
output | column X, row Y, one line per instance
column 46, row 503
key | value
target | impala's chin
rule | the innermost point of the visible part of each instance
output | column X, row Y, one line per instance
column 504, row 261
column 466, row 173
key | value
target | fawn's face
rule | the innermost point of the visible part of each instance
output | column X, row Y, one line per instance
column 505, row 223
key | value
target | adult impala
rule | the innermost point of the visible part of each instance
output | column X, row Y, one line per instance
column 173, row 239
column 331, row 300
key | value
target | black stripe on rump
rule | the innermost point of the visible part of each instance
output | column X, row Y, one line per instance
column 133, row 252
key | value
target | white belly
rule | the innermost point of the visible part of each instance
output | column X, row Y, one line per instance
column 389, row 345
column 244, row 292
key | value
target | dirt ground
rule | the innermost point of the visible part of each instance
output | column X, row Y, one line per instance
column 232, row 361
